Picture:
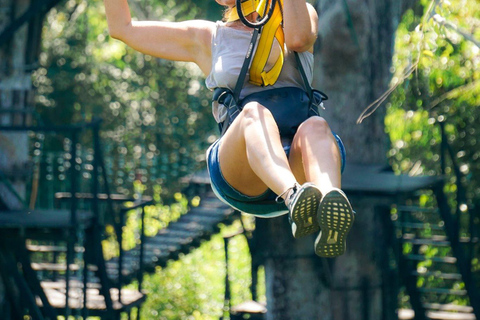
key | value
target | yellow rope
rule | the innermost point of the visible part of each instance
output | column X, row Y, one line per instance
column 272, row 30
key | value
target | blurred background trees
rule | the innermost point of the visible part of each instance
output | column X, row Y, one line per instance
column 156, row 113
column 444, row 86
column 157, row 121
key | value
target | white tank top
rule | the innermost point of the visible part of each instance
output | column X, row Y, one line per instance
column 229, row 47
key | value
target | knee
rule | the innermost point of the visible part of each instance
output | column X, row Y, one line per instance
column 254, row 112
column 316, row 127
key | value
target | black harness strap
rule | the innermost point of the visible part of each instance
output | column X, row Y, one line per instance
column 310, row 90
column 246, row 64
column 228, row 98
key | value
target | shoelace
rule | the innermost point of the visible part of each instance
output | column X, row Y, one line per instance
column 280, row 199
column 272, row 30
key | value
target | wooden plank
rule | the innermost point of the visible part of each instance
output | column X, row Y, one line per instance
column 173, row 241
column 443, row 291
column 436, row 240
column 430, row 242
column 368, row 179
column 212, row 209
column 53, row 219
column 58, row 267
column 60, row 284
column 95, row 301
column 48, row 248
column 408, row 314
column 418, row 225
column 175, row 231
column 449, row 307
column 373, row 179
column 198, row 222
column 418, row 257
column 159, row 249
column 100, row 196
column 439, row 275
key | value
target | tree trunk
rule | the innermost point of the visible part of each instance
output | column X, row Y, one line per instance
column 352, row 60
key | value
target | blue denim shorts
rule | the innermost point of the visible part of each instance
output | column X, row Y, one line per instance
column 263, row 205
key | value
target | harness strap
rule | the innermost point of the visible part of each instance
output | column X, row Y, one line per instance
column 310, row 91
column 271, row 30
column 304, row 76
column 246, row 64
column 228, row 98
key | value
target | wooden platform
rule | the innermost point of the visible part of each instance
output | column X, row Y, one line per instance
column 55, row 292
column 407, row 314
column 378, row 180
column 52, row 219
column 365, row 179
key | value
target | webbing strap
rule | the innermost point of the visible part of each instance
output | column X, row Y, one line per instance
column 304, row 76
column 228, row 98
column 246, row 63
column 310, row 91
column 271, row 30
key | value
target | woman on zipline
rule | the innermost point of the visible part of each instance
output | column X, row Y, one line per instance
column 276, row 154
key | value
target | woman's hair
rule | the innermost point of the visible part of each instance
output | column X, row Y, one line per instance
column 226, row 13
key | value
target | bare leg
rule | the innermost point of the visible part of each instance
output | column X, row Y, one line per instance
column 251, row 155
column 315, row 156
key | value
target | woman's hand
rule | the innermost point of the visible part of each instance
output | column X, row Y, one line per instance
column 300, row 23
column 179, row 41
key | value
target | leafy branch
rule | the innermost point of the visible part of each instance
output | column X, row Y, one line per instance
column 430, row 15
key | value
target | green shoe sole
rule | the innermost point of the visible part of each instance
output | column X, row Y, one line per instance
column 335, row 218
column 304, row 211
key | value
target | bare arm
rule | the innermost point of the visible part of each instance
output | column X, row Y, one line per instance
column 300, row 25
column 180, row 41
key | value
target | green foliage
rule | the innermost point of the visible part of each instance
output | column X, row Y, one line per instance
column 157, row 124
column 156, row 115
column 444, row 87
column 442, row 47
column 156, row 127
column 194, row 286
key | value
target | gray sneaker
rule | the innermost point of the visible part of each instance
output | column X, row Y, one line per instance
column 335, row 218
column 303, row 207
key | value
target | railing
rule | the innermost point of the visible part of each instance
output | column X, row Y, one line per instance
column 454, row 224
column 74, row 232
column 123, row 166
column 70, row 137
column 453, row 216
column 462, row 209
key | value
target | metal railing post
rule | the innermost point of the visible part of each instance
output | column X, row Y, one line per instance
column 227, row 302
column 142, row 251
column 73, row 221
column 120, row 257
